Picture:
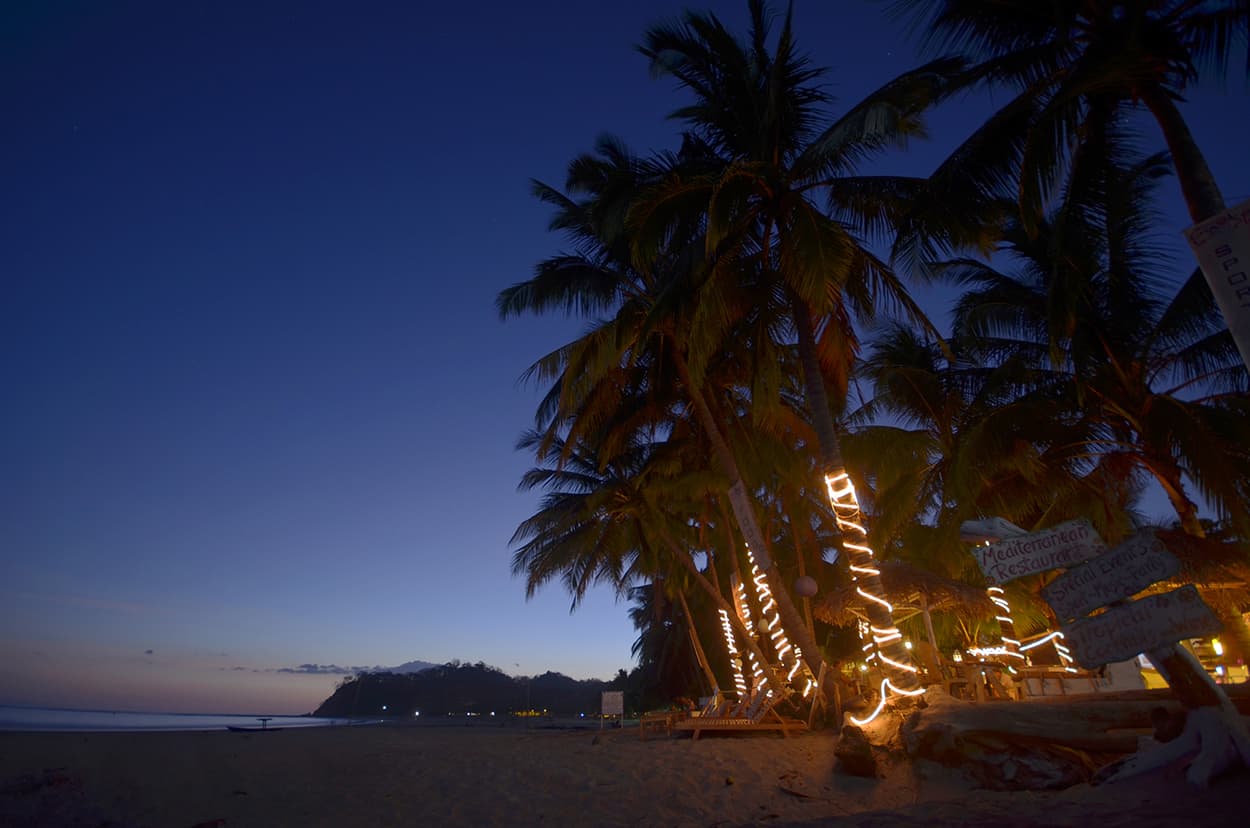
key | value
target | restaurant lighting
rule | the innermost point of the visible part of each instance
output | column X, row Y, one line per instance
column 1217, row 646
column 1007, row 624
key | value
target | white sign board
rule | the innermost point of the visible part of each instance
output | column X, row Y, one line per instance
column 613, row 702
column 1118, row 573
column 1222, row 247
column 1129, row 629
column 1059, row 546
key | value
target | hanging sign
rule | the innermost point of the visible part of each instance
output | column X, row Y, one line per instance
column 1059, row 546
column 1116, row 574
column 1127, row 630
column 1222, row 247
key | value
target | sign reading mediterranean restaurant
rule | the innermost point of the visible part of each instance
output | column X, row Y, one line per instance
column 1059, row 546
column 1149, row 623
column 1116, row 574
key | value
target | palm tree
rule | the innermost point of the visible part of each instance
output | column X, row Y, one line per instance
column 1072, row 61
column 946, row 438
column 1153, row 381
column 639, row 339
column 757, row 111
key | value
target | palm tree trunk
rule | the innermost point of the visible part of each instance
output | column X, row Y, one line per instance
column 744, row 514
column 853, row 538
column 1202, row 194
column 748, row 639
column 1169, row 479
column 698, row 647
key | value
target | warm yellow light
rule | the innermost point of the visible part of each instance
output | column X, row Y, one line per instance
column 886, row 687
column 1217, row 646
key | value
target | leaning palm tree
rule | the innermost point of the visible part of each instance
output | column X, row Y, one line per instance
column 1153, row 380
column 641, row 332
column 1152, row 376
column 756, row 108
column 1069, row 60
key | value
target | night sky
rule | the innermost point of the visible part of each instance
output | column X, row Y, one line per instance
column 258, row 410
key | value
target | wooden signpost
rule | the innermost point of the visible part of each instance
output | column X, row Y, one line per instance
column 1119, row 573
column 1152, row 625
column 1063, row 545
column 1141, row 626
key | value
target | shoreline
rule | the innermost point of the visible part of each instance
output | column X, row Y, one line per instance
column 462, row 776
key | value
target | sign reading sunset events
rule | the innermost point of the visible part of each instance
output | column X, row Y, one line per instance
column 1115, row 574
column 1059, row 546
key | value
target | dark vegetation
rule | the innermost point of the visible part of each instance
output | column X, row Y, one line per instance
column 458, row 689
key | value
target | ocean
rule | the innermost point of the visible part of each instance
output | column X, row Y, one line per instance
column 47, row 718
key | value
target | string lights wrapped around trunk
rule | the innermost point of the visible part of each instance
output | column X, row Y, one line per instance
column 788, row 654
column 902, row 677
column 735, row 657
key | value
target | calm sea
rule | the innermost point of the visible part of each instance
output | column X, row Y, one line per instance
column 43, row 718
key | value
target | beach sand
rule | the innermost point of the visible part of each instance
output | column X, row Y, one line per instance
column 481, row 775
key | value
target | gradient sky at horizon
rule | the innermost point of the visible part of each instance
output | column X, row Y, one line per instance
column 259, row 410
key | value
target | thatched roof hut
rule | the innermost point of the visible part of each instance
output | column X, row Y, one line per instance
column 911, row 590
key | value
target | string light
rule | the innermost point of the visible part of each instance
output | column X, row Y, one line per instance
column 855, row 539
column 1007, row 624
column 735, row 658
column 1065, row 655
column 788, row 654
column 886, row 687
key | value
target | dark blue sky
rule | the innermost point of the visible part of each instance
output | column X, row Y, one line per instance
column 259, row 411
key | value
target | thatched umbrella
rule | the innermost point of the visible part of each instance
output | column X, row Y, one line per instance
column 913, row 590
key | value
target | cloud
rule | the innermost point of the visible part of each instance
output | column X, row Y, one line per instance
column 321, row 670
column 148, row 652
column 336, row 670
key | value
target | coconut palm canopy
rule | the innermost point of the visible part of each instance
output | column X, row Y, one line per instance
column 728, row 286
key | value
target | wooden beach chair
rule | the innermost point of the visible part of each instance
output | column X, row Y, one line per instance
column 713, row 705
column 755, row 714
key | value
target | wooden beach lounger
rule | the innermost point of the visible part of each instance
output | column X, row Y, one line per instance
column 758, row 716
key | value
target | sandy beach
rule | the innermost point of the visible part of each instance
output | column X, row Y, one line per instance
column 480, row 775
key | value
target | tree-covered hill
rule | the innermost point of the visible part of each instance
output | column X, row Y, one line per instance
column 460, row 689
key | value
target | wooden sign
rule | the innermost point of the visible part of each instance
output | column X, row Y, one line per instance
column 1116, row 574
column 612, row 702
column 1222, row 246
column 1129, row 629
column 1059, row 546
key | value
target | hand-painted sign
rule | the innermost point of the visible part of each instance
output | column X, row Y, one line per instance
column 1129, row 629
column 1059, row 546
column 1222, row 246
column 1116, row 574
